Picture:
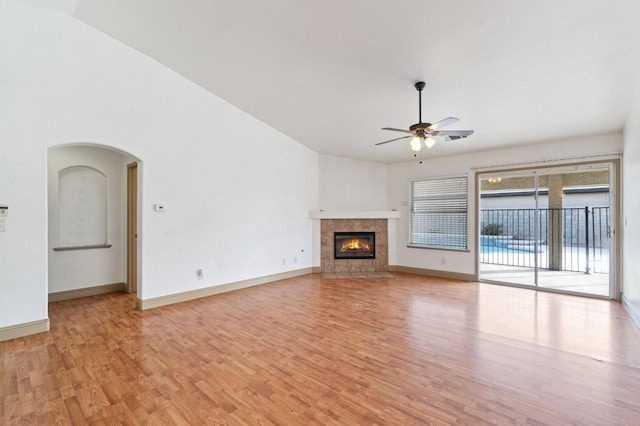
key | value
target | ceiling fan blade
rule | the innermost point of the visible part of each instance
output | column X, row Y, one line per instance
column 397, row 130
column 453, row 135
column 444, row 122
column 461, row 133
column 396, row 139
column 452, row 138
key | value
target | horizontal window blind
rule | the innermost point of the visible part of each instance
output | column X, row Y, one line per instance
column 439, row 213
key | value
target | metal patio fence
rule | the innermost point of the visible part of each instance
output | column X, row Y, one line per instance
column 577, row 237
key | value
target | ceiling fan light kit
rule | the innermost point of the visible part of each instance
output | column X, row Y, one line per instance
column 420, row 141
column 416, row 143
column 422, row 134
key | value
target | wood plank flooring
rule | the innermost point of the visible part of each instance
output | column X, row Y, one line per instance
column 310, row 350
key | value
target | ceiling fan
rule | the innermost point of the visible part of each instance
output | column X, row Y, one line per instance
column 421, row 134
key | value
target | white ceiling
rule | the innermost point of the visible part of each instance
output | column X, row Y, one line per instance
column 331, row 73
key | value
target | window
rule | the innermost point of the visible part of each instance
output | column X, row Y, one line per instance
column 439, row 213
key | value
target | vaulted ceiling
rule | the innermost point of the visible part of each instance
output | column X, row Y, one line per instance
column 331, row 73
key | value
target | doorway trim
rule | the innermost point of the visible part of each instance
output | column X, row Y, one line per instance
column 132, row 227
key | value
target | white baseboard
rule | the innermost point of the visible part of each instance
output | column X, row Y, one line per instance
column 433, row 273
column 170, row 299
column 24, row 329
column 633, row 311
column 84, row 292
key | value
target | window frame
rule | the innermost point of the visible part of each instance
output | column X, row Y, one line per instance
column 461, row 200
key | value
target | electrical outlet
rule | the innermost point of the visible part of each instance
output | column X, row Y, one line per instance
column 284, row 261
column 199, row 274
column 443, row 261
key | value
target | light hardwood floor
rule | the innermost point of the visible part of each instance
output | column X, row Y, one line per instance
column 310, row 350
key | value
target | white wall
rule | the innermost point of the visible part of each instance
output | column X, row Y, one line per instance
column 354, row 185
column 631, row 215
column 464, row 261
column 347, row 184
column 70, row 270
column 237, row 204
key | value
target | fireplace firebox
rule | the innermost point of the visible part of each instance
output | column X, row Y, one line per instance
column 354, row 245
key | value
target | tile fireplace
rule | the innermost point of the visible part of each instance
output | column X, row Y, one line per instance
column 334, row 233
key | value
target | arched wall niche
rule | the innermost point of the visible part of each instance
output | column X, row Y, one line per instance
column 82, row 207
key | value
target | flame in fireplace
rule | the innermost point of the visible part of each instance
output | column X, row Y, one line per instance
column 355, row 244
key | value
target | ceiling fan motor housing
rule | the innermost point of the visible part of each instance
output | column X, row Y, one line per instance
column 419, row 126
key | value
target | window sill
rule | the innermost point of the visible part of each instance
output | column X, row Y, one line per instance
column 464, row 250
column 89, row 247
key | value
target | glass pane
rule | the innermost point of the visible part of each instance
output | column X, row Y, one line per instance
column 574, row 230
column 508, row 249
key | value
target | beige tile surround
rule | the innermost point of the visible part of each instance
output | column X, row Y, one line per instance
column 330, row 265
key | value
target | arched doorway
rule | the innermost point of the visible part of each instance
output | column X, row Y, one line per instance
column 91, row 196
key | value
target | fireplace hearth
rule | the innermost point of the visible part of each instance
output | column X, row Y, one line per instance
column 354, row 245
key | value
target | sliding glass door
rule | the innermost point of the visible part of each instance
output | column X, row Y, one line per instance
column 549, row 228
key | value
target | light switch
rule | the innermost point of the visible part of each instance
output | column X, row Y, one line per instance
column 2, row 226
